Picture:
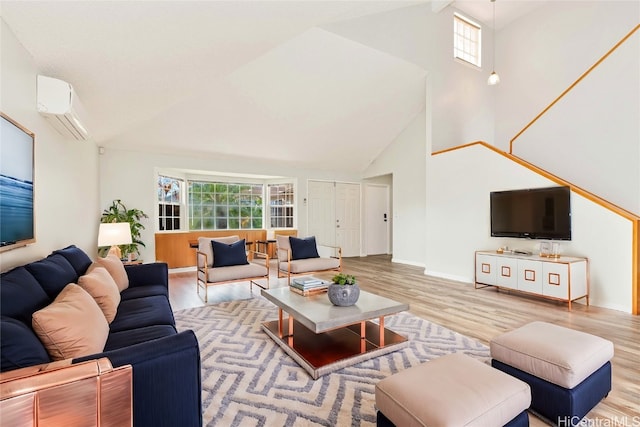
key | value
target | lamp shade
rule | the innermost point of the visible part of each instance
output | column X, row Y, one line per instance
column 494, row 79
column 114, row 233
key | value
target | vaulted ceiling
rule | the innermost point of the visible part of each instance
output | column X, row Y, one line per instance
column 260, row 79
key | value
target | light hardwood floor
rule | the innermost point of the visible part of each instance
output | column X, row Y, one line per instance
column 477, row 313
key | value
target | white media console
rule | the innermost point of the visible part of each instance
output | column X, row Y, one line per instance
column 564, row 278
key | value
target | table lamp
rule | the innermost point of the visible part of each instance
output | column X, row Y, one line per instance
column 114, row 234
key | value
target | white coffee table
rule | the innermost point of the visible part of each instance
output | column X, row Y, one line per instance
column 323, row 338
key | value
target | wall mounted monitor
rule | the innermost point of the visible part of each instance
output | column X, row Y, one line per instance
column 535, row 213
column 17, row 221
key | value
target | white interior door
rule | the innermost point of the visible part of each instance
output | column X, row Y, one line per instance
column 348, row 218
column 334, row 215
column 377, row 219
column 322, row 212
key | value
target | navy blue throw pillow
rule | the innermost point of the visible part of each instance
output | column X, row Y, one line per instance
column 303, row 248
column 225, row 255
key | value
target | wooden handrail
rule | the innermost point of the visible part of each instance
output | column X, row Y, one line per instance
column 567, row 90
column 635, row 219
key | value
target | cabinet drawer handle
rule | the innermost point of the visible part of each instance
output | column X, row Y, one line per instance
column 530, row 275
column 554, row 279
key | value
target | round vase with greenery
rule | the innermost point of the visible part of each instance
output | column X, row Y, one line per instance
column 344, row 291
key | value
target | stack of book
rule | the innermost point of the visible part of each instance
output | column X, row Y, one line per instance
column 306, row 286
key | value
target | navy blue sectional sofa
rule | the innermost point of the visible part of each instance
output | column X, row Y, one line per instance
column 166, row 364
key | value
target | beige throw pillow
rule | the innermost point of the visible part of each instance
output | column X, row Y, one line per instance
column 115, row 267
column 72, row 325
column 101, row 286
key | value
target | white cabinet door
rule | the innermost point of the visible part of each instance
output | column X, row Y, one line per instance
column 507, row 272
column 486, row 269
column 530, row 276
column 555, row 280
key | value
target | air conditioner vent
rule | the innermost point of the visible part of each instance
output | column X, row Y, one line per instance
column 59, row 104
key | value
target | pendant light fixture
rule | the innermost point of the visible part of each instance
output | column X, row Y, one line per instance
column 494, row 79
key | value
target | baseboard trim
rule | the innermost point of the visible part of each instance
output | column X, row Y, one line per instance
column 402, row 261
column 448, row 276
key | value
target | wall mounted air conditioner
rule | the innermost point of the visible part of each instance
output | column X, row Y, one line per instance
column 60, row 105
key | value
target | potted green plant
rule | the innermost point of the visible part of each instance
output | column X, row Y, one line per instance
column 118, row 212
column 344, row 291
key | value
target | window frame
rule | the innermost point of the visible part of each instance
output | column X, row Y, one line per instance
column 463, row 54
column 221, row 202
column 186, row 207
column 288, row 220
column 161, row 213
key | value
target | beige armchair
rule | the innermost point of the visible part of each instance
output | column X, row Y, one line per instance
column 288, row 267
column 208, row 274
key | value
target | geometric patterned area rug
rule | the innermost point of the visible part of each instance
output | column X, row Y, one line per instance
column 247, row 380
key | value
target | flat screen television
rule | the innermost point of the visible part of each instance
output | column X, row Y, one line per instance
column 535, row 213
column 17, row 226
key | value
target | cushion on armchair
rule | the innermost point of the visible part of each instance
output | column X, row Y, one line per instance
column 303, row 248
column 314, row 264
column 204, row 245
column 236, row 272
column 225, row 255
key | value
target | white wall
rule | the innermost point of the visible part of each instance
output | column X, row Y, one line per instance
column 66, row 179
column 458, row 223
column 538, row 57
column 131, row 177
column 463, row 103
column 459, row 109
column 591, row 137
column 404, row 158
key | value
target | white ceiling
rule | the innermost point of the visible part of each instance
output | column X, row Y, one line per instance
column 251, row 78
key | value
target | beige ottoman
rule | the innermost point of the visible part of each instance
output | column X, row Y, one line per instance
column 569, row 371
column 453, row 390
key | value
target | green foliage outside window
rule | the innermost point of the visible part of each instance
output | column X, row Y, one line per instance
column 223, row 206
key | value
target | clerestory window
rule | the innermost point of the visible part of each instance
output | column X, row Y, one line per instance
column 467, row 40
